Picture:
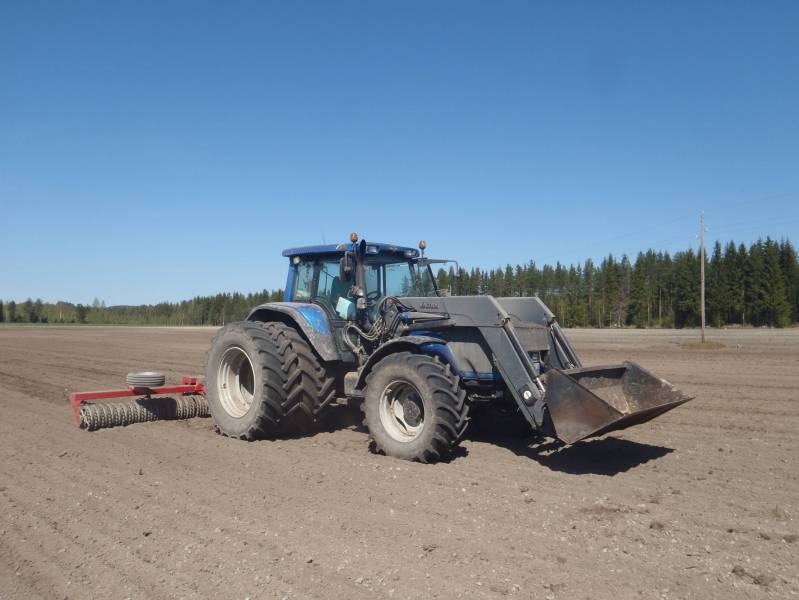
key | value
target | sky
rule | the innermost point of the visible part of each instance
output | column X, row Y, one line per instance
column 155, row 151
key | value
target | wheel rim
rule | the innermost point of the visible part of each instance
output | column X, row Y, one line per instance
column 402, row 411
column 235, row 382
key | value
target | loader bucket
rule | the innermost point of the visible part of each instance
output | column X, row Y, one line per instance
column 590, row 402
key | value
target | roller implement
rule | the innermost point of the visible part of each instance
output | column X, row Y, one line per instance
column 187, row 401
column 367, row 324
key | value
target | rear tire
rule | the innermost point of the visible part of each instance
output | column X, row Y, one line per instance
column 415, row 407
column 263, row 379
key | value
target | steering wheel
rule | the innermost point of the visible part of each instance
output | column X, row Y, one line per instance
column 373, row 297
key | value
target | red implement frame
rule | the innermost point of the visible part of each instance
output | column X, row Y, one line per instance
column 189, row 387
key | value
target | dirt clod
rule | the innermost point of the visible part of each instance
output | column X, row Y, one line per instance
column 756, row 578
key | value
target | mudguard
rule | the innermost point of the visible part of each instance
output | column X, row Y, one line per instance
column 311, row 320
column 413, row 343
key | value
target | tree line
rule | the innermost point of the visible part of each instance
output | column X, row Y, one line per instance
column 755, row 285
column 201, row 310
column 758, row 285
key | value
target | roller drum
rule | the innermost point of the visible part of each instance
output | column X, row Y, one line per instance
column 117, row 414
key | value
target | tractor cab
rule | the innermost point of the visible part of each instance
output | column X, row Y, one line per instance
column 347, row 278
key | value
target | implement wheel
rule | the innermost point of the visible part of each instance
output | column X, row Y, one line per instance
column 263, row 379
column 415, row 408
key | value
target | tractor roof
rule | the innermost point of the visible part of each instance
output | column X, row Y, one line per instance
column 371, row 248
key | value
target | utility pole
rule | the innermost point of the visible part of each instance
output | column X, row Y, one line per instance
column 702, row 269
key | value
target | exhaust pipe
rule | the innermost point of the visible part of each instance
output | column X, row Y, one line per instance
column 589, row 402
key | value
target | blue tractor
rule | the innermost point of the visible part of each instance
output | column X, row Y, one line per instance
column 366, row 323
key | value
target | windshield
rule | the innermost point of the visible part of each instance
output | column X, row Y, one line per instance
column 385, row 278
column 317, row 280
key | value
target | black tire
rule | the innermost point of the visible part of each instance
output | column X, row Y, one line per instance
column 423, row 382
column 285, row 383
column 310, row 388
column 148, row 379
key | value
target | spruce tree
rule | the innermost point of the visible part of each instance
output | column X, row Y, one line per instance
column 742, row 260
column 777, row 308
column 589, row 275
column 665, row 290
column 611, row 290
column 715, row 288
column 510, row 282
column 38, row 308
column 637, row 306
column 754, row 289
column 686, row 289
column 625, row 271
column 28, row 311
column 731, row 285
column 790, row 270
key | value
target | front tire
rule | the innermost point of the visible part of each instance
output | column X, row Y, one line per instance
column 415, row 407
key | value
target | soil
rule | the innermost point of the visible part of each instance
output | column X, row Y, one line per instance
column 700, row 503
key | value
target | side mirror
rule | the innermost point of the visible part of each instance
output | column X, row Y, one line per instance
column 345, row 267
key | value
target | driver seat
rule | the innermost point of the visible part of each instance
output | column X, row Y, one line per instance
column 338, row 288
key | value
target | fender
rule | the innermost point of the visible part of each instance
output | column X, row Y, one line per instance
column 420, row 344
column 311, row 320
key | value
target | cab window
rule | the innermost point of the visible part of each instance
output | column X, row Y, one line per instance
column 318, row 280
column 399, row 280
column 403, row 278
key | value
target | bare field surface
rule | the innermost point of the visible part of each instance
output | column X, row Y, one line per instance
column 700, row 503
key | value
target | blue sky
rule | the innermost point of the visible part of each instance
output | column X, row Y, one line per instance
column 158, row 150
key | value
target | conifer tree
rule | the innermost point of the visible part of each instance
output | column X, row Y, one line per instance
column 790, row 270
column 715, row 289
column 28, row 311
column 686, row 289
column 754, row 290
column 777, row 308
column 637, row 307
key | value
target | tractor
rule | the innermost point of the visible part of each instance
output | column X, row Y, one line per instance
column 365, row 323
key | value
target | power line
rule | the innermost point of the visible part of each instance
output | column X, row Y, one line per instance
column 686, row 216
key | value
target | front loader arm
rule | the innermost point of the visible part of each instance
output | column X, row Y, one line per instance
column 570, row 403
column 517, row 371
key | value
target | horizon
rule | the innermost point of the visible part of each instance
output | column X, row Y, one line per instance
column 156, row 152
column 709, row 249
